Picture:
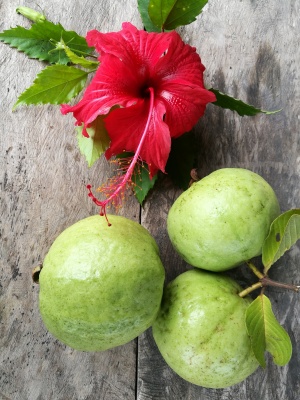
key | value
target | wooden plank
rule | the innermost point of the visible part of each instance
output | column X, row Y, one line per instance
column 43, row 178
column 251, row 51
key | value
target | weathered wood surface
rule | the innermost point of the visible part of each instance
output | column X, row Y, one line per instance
column 250, row 49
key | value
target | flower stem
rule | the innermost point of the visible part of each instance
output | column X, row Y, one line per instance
column 121, row 184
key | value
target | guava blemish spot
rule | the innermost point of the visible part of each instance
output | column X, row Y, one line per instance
column 278, row 237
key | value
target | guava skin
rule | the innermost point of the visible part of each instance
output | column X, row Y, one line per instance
column 201, row 331
column 101, row 286
column 223, row 219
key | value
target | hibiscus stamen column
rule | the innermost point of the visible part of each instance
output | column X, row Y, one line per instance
column 118, row 187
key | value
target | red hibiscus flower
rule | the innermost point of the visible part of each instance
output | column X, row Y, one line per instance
column 156, row 80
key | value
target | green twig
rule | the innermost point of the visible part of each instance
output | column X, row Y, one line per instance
column 250, row 289
column 255, row 270
column 265, row 281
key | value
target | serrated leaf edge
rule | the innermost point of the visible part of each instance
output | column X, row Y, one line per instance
column 20, row 102
column 238, row 101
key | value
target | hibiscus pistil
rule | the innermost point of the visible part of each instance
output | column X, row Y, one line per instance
column 117, row 187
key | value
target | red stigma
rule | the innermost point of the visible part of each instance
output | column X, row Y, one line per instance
column 101, row 204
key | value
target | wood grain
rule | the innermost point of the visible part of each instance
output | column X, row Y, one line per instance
column 250, row 49
column 43, row 178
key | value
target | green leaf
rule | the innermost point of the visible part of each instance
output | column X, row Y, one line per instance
column 169, row 14
column 284, row 233
column 55, row 84
column 143, row 6
column 40, row 41
column 266, row 333
column 181, row 160
column 79, row 60
column 94, row 146
column 225, row 101
column 142, row 183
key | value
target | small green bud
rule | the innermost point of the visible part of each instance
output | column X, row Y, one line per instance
column 31, row 14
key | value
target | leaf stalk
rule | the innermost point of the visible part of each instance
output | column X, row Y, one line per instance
column 265, row 281
column 250, row 289
column 255, row 270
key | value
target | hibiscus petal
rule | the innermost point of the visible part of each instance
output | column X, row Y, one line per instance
column 126, row 60
column 107, row 88
column 126, row 127
column 184, row 106
column 132, row 46
column 180, row 62
column 181, row 86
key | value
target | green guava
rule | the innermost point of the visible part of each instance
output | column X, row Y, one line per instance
column 223, row 219
column 101, row 286
column 201, row 331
